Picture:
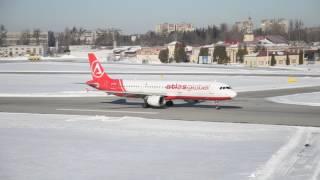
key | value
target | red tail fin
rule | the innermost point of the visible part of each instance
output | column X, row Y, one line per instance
column 97, row 71
column 100, row 79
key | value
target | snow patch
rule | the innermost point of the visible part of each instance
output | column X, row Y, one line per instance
column 58, row 94
column 279, row 158
column 139, row 148
column 307, row 99
column 300, row 157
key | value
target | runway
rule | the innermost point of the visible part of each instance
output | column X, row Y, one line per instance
column 248, row 107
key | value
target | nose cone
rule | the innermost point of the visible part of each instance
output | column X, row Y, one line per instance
column 233, row 94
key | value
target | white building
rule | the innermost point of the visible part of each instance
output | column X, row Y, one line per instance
column 168, row 28
column 268, row 23
column 149, row 54
column 88, row 37
column 263, row 58
column 21, row 50
column 171, row 47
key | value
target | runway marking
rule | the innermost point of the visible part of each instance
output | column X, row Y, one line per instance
column 107, row 111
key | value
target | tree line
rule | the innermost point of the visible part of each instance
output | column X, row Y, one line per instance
column 200, row 36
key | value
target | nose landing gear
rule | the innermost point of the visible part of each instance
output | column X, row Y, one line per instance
column 216, row 103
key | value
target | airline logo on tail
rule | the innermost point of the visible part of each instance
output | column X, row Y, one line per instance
column 96, row 69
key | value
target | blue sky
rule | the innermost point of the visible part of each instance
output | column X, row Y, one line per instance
column 142, row 15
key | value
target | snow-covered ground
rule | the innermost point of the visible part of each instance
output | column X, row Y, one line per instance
column 81, row 65
column 37, row 146
column 307, row 99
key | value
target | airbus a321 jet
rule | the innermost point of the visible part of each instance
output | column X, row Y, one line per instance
column 158, row 93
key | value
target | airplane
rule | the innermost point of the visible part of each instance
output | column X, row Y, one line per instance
column 158, row 93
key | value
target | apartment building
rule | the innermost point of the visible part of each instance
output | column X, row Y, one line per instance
column 15, row 38
column 245, row 26
column 267, row 24
column 168, row 28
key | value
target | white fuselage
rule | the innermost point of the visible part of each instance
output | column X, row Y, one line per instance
column 180, row 89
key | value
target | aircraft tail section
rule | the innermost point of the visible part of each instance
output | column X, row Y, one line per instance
column 100, row 79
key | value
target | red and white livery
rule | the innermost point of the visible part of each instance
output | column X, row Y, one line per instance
column 158, row 93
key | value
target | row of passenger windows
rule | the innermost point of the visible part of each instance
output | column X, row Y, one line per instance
column 148, row 86
column 226, row 87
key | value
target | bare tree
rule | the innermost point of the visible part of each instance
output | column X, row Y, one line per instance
column 25, row 38
column 290, row 30
column 73, row 36
column 298, row 29
column 3, row 34
column 106, row 37
column 81, row 32
column 36, row 34
column 223, row 31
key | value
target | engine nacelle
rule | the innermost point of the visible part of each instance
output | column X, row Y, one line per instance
column 156, row 101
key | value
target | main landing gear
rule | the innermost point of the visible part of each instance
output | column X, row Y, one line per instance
column 169, row 103
column 145, row 103
column 216, row 103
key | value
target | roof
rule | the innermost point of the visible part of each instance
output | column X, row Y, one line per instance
column 277, row 53
column 276, row 39
column 231, row 42
column 173, row 43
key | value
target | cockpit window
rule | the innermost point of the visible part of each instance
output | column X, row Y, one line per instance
column 225, row 87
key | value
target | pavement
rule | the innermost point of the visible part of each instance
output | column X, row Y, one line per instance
column 248, row 107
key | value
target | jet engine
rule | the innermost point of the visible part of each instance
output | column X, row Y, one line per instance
column 155, row 101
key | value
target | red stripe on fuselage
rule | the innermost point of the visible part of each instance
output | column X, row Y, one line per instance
column 197, row 98
column 115, row 85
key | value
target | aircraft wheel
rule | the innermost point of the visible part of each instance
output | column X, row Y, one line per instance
column 169, row 103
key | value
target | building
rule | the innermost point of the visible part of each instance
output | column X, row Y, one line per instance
column 168, row 28
column 248, row 38
column 272, row 42
column 267, row 24
column 171, row 47
column 263, row 58
column 15, row 38
column 232, row 48
column 245, row 26
column 184, row 27
column 37, row 45
column 194, row 57
column 88, row 37
column 21, row 50
column 149, row 54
